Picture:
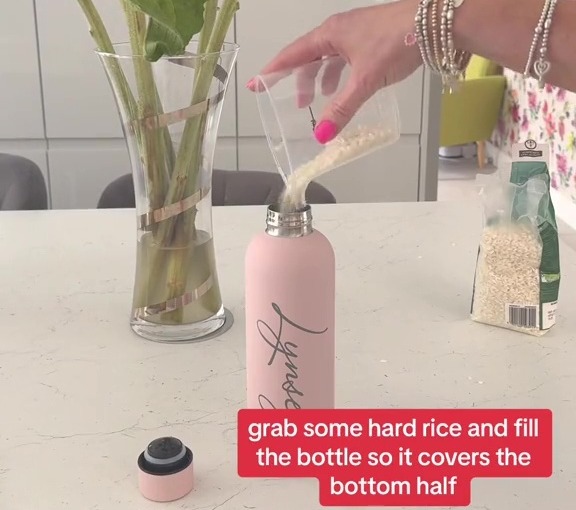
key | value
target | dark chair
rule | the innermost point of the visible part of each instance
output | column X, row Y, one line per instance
column 228, row 188
column 22, row 185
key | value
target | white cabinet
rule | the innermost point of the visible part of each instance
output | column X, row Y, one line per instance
column 79, row 173
column 78, row 99
column 21, row 115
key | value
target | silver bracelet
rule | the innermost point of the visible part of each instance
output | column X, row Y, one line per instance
column 444, row 35
column 537, row 32
column 454, row 61
column 435, row 42
column 444, row 60
column 542, row 65
column 422, row 38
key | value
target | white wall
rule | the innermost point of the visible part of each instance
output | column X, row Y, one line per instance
column 64, row 118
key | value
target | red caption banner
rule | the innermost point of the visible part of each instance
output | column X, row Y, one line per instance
column 422, row 457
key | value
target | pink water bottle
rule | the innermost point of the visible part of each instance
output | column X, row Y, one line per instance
column 290, row 315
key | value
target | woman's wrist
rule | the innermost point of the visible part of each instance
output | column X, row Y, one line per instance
column 504, row 31
column 500, row 30
column 461, row 29
column 517, row 36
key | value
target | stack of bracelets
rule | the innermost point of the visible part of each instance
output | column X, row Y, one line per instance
column 433, row 33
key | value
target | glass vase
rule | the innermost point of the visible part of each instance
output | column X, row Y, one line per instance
column 170, row 111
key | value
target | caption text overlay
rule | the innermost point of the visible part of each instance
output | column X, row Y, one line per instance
column 422, row 457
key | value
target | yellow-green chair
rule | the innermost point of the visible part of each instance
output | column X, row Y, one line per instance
column 470, row 114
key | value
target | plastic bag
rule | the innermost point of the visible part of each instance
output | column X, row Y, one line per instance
column 518, row 267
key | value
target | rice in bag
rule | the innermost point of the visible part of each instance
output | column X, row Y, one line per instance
column 517, row 275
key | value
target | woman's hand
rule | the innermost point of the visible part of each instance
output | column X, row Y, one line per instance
column 372, row 40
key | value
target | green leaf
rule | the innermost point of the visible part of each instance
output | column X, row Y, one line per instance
column 172, row 25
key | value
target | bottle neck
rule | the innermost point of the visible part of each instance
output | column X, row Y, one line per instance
column 288, row 224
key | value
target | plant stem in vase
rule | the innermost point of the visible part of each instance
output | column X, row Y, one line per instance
column 169, row 91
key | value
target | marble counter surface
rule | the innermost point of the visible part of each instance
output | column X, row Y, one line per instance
column 82, row 395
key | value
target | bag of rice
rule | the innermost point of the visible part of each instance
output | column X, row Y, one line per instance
column 518, row 267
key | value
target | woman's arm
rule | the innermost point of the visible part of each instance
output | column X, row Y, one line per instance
column 502, row 31
column 373, row 40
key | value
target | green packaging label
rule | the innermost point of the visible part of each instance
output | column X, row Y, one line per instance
column 531, row 162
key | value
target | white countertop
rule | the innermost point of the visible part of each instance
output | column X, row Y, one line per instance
column 81, row 395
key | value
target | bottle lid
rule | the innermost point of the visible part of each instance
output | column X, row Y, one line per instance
column 290, row 223
column 165, row 470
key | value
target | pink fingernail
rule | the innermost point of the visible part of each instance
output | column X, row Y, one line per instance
column 325, row 131
column 251, row 84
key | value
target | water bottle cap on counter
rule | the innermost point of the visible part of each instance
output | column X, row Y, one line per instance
column 165, row 470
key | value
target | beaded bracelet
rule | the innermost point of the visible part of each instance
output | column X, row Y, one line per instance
column 421, row 35
column 455, row 61
column 536, row 38
column 542, row 31
column 441, row 58
column 435, row 42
